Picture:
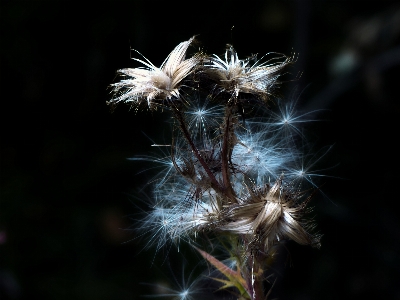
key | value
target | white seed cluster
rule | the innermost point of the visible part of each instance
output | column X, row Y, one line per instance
column 228, row 171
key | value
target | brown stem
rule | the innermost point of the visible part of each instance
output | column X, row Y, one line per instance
column 225, row 156
column 258, row 289
column 256, row 280
column 214, row 183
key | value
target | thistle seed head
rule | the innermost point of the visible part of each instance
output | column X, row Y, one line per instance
column 234, row 76
column 268, row 215
column 152, row 85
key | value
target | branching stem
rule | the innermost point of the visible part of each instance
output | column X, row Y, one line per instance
column 214, row 182
column 225, row 153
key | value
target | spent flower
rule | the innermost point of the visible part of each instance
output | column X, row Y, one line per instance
column 234, row 75
column 152, row 84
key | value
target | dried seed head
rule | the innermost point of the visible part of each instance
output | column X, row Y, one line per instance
column 156, row 86
column 269, row 215
column 282, row 218
column 235, row 76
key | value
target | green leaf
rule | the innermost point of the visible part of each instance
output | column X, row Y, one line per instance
column 235, row 278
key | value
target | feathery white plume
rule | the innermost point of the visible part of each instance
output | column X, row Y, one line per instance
column 152, row 84
column 235, row 76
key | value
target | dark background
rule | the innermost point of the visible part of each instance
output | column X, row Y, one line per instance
column 68, row 192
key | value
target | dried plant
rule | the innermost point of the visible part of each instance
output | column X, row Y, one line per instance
column 232, row 171
column 151, row 84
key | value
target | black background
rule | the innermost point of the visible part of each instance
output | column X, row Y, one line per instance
column 68, row 192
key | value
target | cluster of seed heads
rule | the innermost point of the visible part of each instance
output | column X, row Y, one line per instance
column 232, row 169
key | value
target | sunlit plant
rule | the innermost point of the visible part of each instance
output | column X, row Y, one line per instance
column 233, row 170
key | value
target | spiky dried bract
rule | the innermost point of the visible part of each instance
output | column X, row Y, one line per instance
column 156, row 86
column 234, row 76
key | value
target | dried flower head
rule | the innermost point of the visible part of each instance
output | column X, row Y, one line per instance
column 270, row 214
column 152, row 84
column 235, row 76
